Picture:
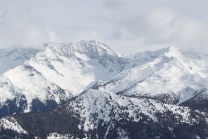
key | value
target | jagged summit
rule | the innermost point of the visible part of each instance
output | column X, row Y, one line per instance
column 168, row 51
column 89, row 48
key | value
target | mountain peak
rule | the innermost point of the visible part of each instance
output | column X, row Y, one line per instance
column 90, row 48
column 149, row 56
column 170, row 49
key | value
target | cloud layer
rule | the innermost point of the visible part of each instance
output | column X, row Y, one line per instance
column 125, row 26
column 164, row 27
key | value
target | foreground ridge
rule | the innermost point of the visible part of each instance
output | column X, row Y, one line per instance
column 97, row 114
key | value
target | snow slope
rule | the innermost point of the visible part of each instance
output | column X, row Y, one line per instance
column 166, row 71
column 59, row 72
column 108, row 106
column 11, row 123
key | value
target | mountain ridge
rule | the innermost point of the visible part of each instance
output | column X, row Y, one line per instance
column 86, row 90
column 98, row 114
column 47, row 75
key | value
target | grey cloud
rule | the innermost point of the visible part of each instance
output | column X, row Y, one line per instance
column 3, row 14
column 116, row 35
column 100, row 18
column 20, row 29
column 135, row 24
column 113, row 4
column 165, row 27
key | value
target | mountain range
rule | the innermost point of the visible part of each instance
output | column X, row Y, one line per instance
column 86, row 90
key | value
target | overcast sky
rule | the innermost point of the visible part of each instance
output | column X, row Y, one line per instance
column 124, row 25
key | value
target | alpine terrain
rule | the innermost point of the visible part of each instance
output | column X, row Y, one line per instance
column 86, row 90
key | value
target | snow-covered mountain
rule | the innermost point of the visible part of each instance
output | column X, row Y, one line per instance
column 98, row 93
column 55, row 74
column 167, row 73
column 41, row 79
